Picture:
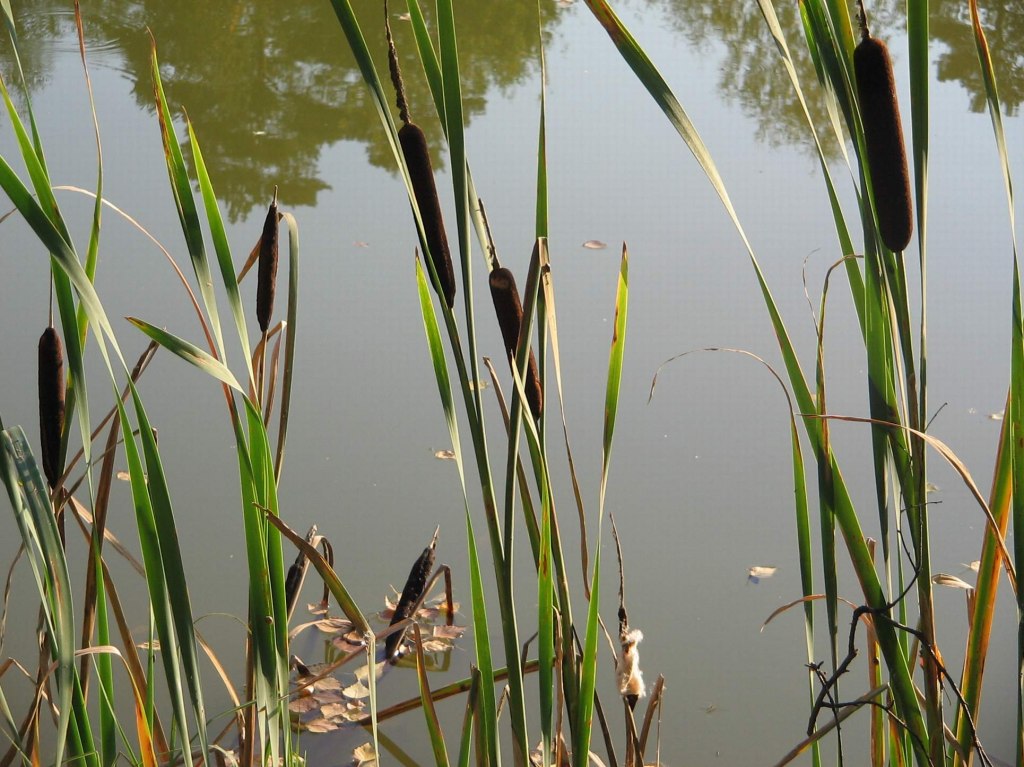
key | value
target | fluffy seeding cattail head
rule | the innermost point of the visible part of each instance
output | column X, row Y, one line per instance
column 421, row 173
column 627, row 667
column 415, row 585
column 883, row 135
column 510, row 319
column 51, row 403
column 267, row 279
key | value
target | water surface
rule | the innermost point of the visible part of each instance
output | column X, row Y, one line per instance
column 700, row 482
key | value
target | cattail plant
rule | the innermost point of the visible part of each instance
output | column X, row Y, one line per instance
column 267, row 278
column 509, row 311
column 883, row 136
column 415, row 585
column 51, row 402
column 421, row 174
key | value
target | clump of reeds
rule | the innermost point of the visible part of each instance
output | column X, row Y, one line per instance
column 412, row 593
column 421, row 173
column 51, row 402
column 509, row 311
column 883, row 136
column 267, row 278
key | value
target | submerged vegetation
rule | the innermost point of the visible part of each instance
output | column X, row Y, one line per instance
column 531, row 693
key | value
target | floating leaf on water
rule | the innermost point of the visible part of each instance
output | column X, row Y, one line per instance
column 996, row 416
column 364, row 756
column 335, row 711
column 328, row 697
column 449, row 632
column 442, row 607
column 334, row 625
column 303, row 705
column 444, row 455
column 328, row 683
column 356, row 691
column 595, row 245
column 942, row 579
column 363, row 672
column 320, row 724
column 931, row 487
column 436, row 645
column 757, row 572
column 347, row 644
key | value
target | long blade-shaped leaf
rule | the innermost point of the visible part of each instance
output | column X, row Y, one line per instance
column 220, row 244
column 35, row 518
column 903, row 687
column 615, row 358
column 188, row 215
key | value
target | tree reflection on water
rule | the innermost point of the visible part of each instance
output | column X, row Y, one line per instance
column 270, row 85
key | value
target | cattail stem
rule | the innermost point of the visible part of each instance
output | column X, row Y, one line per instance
column 396, row 71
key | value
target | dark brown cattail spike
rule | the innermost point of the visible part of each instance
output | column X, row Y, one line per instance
column 883, row 136
column 51, row 403
column 509, row 311
column 415, row 584
column 421, row 174
column 417, row 158
column 267, row 279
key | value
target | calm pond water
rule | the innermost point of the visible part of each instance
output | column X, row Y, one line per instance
column 700, row 482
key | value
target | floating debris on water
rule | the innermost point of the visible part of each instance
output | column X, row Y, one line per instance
column 595, row 245
column 444, row 455
column 364, row 756
column 756, row 573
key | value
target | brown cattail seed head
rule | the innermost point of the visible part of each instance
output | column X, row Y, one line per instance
column 417, row 158
column 415, row 584
column 509, row 311
column 883, row 135
column 51, row 403
column 267, row 280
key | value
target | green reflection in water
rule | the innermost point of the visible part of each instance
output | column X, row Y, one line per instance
column 752, row 77
column 269, row 84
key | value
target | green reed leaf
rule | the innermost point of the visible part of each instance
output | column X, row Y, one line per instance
column 188, row 352
column 188, row 215
column 221, row 247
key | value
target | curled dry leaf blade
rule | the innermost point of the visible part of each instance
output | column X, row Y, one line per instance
column 951, row 581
